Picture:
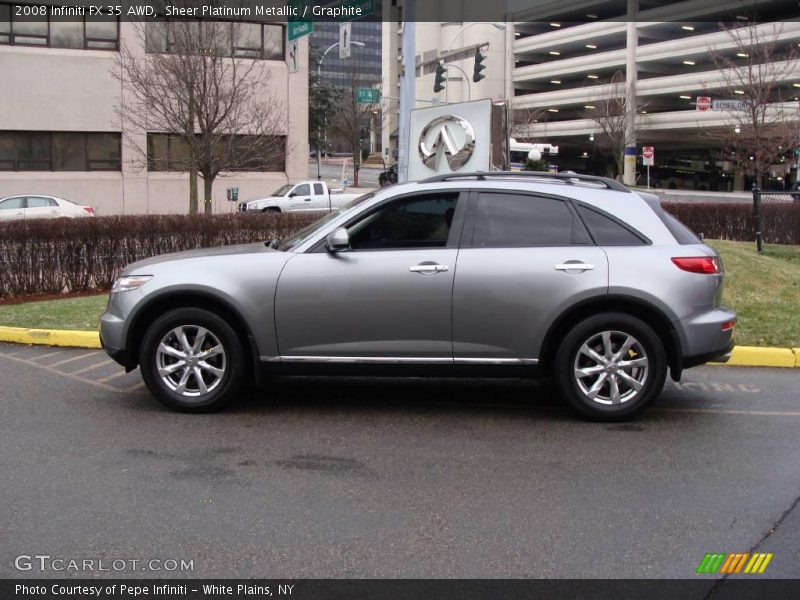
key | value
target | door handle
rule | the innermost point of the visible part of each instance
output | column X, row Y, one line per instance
column 428, row 269
column 574, row 266
column 307, row 199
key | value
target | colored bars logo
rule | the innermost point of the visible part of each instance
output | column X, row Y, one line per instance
column 742, row 562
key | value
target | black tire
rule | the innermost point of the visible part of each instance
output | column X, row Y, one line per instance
column 271, row 209
column 648, row 350
column 382, row 180
column 231, row 362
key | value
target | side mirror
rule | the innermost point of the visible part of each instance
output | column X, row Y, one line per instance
column 292, row 195
column 338, row 239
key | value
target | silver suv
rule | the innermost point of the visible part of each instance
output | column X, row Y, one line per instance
column 482, row 274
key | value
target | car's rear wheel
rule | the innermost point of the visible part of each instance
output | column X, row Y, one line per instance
column 192, row 360
column 610, row 366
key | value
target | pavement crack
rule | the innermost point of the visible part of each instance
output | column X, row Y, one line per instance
column 773, row 528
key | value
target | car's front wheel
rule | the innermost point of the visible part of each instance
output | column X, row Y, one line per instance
column 191, row 360
column 610, row 366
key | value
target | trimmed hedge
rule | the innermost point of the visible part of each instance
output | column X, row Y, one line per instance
column 780, row 222
column 54, row 256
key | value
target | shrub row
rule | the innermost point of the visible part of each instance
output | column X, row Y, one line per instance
column 780, row 222
column 54, row 256
column 50, row 257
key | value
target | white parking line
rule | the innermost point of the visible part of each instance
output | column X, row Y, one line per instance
column 91, row 367
column 40, row 357
column 50, row 369
column 112, row 376
column 69, row 360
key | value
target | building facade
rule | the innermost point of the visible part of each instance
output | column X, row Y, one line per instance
column 566, row 57
column 61, row 132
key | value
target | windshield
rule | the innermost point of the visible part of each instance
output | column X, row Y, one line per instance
column 281, row 191
column 301, row 236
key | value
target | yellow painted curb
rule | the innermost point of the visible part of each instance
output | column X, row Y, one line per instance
column 50, row 337
column 752, row 356
column 742, row 356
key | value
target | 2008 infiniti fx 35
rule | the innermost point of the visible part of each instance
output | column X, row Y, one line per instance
column 569, row 276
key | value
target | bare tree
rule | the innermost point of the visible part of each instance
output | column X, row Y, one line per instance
column 611, row 115
column 521, row 121
column 353, row 119
column 755, row 72
column 216, row 109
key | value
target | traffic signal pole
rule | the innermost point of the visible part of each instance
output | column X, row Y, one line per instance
column 408, row 90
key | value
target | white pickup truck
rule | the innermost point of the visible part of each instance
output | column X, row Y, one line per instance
column 306, row 196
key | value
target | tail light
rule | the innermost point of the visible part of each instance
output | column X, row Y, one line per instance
column 729, row 325
column 88, row 210
column 708, row 265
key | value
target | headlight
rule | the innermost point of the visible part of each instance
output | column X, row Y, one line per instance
column 130, row 282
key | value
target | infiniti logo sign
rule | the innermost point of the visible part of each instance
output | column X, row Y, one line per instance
column 450, row 137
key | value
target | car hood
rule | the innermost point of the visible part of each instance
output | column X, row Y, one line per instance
column 200, row 253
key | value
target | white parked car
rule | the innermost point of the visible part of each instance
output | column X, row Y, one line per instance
column 30, row 206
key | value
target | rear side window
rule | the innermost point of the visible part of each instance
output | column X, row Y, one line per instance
column 318, row 189
column 39, row 202
column 608, row 232
column 517, row 220
column 682, row 234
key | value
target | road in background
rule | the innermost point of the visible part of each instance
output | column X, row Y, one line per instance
column 331, row 171
column 382, row 478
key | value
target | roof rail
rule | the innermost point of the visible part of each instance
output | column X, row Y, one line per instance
column 567, row 178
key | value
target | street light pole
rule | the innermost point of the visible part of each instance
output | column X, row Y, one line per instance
column 498, row 25
column 319, row 75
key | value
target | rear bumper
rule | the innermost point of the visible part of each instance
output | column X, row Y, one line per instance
column 703, row 338
column 722, row 355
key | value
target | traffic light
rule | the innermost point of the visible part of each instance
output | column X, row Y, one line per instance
column 441, row 71
column 479, row 66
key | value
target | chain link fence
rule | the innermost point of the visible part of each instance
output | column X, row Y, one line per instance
column 776, row 229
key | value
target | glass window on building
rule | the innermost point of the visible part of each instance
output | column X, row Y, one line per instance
column 69, row 152
column 273, row 42
column 103, row 151
column 5, row 24
column 247, row 42
column 66, row 34
column 102, row 34
column 33, row 151
column 31, row 32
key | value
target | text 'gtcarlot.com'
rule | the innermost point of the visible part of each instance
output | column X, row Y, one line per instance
column 46, row 562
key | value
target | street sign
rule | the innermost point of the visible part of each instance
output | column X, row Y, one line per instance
column 367, row 95
column 303, row 25
column 730, row 105
column 345, row 30
column 648, row 156
column 293, row 56
column 703, row 103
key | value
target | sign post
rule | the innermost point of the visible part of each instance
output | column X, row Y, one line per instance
column 345, row 30
column 648, row 159
column 293, row 56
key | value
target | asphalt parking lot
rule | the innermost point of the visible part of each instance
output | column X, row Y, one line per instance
column 394, row 478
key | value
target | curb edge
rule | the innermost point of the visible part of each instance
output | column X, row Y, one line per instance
column 742, row 356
